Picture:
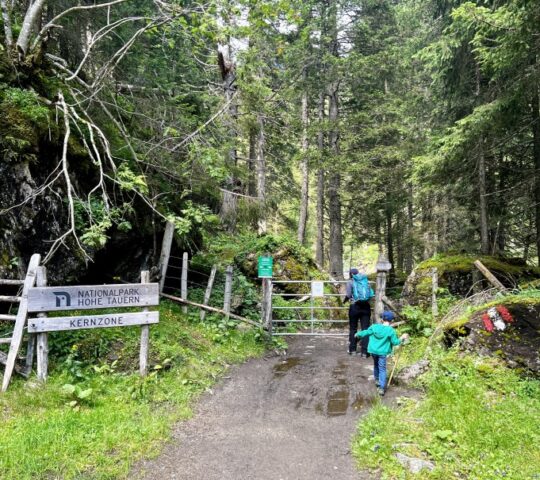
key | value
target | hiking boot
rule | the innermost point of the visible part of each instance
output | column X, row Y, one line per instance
column 380, row 391
column 364, row 355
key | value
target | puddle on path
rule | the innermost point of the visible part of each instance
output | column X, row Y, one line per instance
column 338, row 403
column 284, row 366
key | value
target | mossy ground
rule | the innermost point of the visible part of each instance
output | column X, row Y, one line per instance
column 57, row 431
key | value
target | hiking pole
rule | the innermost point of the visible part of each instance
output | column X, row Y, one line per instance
column 393, row 368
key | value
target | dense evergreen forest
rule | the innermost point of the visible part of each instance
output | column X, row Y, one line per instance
column 409, row 124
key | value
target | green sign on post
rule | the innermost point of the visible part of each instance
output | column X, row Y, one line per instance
column 265, row 267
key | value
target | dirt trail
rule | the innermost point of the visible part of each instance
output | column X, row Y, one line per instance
column 276, row 418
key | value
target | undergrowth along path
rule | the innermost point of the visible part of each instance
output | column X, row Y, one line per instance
column 288, row 417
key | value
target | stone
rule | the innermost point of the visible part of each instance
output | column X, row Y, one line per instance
column 410, row 373
column 415, row 465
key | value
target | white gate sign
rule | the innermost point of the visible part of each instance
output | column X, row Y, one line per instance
column 50, row 299
column 53, row 324
column 317, row 289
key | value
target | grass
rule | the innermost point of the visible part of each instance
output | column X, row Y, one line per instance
column 477, row 420
column 93, row 419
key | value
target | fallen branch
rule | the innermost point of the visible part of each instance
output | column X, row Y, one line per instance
column 491, row 278
column 211, row 309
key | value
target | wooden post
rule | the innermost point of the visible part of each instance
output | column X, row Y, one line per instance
column 491, row 278
column 208, row 291
column 165, row 253
column 42, row 338
column 266, row 305
column 145, row 334
column 183, row 280
column 383, row 267
column 228, row 291
column 434, row 288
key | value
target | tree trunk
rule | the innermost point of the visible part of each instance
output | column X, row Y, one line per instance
column 334, row 184
column 484, row 225
column 6, row 18
column 252, row 161
column 409, row 255
column 261, row 176
column 535, row 116
column 30, row 20
column 304, row 168
column 319, row 246
column 390, row 242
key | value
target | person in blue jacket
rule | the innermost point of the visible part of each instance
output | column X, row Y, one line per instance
column 382, row 338
column 359, row 293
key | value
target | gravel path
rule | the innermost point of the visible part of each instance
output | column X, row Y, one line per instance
column 285, row 417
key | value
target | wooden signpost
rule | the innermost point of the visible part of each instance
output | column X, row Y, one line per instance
column 42, row 299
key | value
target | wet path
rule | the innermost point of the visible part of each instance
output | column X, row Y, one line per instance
column 281, row 418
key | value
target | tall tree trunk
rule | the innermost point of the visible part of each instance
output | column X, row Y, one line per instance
column 484, row 226
column 261, row 176
column 535, row 114
column 229, row 199
column 304, row 167
column 252, row 161
column 390, row 241
column 409, row 255
column 334, row 184
column 319, row 245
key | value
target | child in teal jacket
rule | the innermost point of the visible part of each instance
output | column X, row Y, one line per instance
column 382, row 338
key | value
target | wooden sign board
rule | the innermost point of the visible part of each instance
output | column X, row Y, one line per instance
column 54, row 324
column 51, row 299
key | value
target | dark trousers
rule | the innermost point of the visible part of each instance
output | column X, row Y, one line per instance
column 359, row 312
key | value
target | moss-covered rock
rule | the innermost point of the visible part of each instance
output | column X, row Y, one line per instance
column 458, row 274
column 518, row 345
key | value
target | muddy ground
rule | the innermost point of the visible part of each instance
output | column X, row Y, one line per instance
column 288, row 417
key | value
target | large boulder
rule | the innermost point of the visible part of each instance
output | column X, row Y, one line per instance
column 458, row 274
column 518, row 344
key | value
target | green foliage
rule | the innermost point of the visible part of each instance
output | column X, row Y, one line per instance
column 26, row 102
column 96, row 414
column 467, row 424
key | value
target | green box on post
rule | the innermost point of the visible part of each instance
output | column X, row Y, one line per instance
column 265, row 265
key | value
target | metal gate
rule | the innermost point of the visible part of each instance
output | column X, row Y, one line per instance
column 317, row 312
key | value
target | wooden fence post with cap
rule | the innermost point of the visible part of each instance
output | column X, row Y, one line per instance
column 228, row 291
column 383, row 267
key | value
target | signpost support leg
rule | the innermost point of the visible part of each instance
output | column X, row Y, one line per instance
column 42, row 338
column 145, row 334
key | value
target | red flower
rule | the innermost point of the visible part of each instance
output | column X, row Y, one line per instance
column 488, row 324
column 505, row 314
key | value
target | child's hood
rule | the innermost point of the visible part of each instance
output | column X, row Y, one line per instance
column 381, row 331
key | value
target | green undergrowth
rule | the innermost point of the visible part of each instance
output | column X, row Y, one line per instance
column 95, row 416
column 476, row 419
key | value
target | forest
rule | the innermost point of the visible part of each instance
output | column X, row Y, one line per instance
column 325, row 133
column 411, row 125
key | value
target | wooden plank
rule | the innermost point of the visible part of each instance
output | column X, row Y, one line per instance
column 145, row 334
column 21, row 320
column 490, row 277
column 108, row 320
column 165, row 253
column 7, row 281
column 208, row 290
column 10, row 298
column 8, row 317
column 183, row 281
column 42, row 359
column 50, row 299
column 211, row 309
column 228, row 291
